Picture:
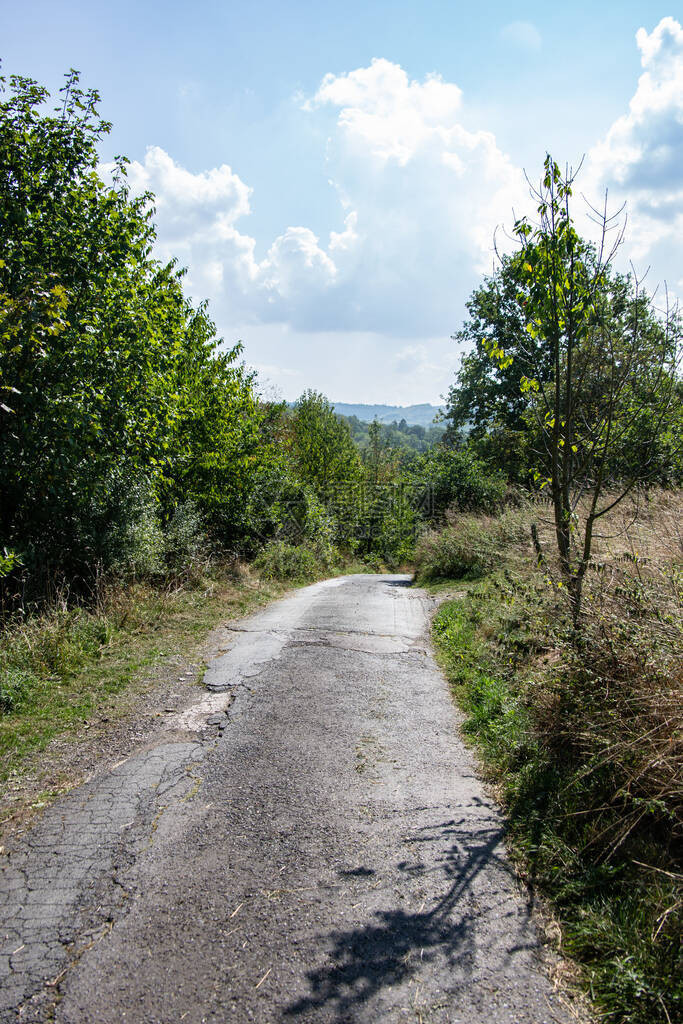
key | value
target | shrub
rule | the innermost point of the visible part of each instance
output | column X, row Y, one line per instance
column 282, row 561
column 185, row 544
column 466, row 548
column 132, row 543
column 459, row 479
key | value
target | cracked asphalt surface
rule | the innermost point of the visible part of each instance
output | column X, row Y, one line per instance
column 307, row 842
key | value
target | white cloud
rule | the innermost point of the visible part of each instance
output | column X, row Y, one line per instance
column 180, row 195
column 295, row 260
column 419, row 198
column 382, row 109
column 641, row 157
column 420, row 194
column 196, row 216
column 425, row 192
column 522, row 34
column 347, row 238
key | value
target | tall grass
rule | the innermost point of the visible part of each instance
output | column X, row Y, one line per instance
column 63, row 664
column 583, row 735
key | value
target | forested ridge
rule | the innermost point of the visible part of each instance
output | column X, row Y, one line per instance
column 137, row 450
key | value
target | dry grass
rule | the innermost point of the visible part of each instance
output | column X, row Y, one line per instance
column 631, row 657
column 583, row 733
column 69, row 665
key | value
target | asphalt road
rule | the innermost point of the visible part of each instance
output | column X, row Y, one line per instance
column 308, row 842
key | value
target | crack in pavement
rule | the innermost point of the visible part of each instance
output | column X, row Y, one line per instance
column 318, row 629
column 52, row 876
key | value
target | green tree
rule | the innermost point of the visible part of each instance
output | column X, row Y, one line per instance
column 614, row 386
column 323, row 449
column 486, row 407
column 116, row 401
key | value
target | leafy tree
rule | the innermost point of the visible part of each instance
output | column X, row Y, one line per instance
column 486, row 393
column 614, row 386
column 116, row 402
column 216, row 448
column 486, row 407
column 323, row 449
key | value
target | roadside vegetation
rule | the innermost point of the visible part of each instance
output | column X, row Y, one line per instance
column 67, row 667
column 563, row 644
column 582, row 740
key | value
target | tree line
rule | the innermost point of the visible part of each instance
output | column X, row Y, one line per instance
column 129, row 434
column 127, row 429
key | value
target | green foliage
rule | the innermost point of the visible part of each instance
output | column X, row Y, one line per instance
column 486, row 404
column 8, row 561
column 186, row 545
column 117, row 404
column 454, row 554
column 297, row 563
column 459, row 479
column 405, row 440
column 322, row 449
column 558, row 293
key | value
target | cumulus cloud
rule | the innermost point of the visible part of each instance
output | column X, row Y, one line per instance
column 185, row 201
column 641, row 156
column 425, row 196
column 420, row 194
column 419, row 198
column 196, row 216
column 295, row 259
column 381, row 108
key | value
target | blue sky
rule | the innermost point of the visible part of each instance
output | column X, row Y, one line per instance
column 332, row 174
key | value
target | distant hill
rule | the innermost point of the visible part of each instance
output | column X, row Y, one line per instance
column 414, row 415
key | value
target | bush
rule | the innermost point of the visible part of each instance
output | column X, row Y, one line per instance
column 467, row 548
column 132, row 542
column 460, row 480
column 185, row 544
column 294, row 562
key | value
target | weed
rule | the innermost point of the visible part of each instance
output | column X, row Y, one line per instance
column 59, row 667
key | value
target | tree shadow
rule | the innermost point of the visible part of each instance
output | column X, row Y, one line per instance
column 387, row 951
column 399, row 583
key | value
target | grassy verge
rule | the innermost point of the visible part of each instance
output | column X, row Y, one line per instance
column 583, row 742
column 60, row 668
column 68, row 665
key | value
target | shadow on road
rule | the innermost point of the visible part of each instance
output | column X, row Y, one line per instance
column 387, row 951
